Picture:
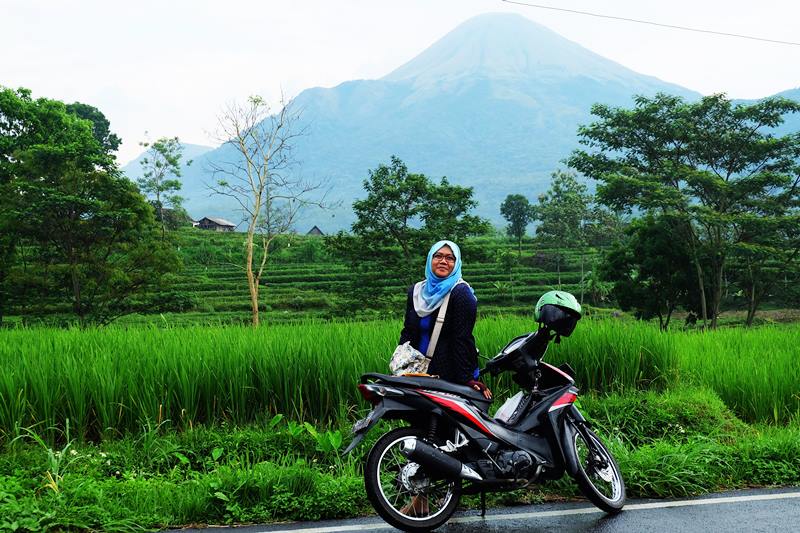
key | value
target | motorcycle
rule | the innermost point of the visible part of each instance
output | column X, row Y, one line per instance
column 415, row 475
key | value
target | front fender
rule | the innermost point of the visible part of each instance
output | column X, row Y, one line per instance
column 569, row 423
column 386, row 407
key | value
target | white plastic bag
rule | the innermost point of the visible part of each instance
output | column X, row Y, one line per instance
column 408, row 360
column 508, row 408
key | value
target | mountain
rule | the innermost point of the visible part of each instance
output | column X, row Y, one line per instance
column 133, row 169
column 494, row 104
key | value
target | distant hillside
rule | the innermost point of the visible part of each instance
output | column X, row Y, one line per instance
column 133, row 169
column 494, row 104
column 792, row 124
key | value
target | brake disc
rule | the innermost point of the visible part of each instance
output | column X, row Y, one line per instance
column 411, row 481
column 606, row 474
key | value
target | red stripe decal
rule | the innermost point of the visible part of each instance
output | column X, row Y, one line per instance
column 458, row 408
column 569, row 378
column 565, row 399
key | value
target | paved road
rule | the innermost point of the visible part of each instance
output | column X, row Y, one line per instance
column 748, row 510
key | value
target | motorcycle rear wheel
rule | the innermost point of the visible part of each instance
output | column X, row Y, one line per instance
column 387, row 476
column 598, row 476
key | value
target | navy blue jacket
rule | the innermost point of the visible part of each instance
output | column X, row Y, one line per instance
column 456, row 357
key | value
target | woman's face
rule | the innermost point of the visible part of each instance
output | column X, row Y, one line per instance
column 443, row 261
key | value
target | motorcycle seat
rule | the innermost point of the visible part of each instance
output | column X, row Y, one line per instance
column 431, row 383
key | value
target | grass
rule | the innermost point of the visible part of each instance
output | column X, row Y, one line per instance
column 112, row 382
column 677, row 443
column 756, row 371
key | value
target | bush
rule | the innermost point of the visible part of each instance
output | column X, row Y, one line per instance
column 676, row 416
column 173, row 301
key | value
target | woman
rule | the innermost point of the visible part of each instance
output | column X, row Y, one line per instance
column 455, row 357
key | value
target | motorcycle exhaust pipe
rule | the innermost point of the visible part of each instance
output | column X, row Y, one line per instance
column 436, row 460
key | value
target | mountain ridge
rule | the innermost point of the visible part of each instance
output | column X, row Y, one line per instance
column 487, row 105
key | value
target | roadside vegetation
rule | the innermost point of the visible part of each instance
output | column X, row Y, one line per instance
column 235, row 424
column 677, row 443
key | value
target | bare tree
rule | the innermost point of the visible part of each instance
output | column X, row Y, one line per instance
column 260, row 178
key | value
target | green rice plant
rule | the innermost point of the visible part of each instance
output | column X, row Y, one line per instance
column 110, row 382
column 755, row 371
column 606, row 355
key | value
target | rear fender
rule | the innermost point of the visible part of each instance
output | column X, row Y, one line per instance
column 388, row 408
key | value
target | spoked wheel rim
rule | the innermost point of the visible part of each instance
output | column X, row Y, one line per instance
column 599, row 467
column 400, row 480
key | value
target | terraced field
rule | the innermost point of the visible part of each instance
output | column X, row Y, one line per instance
column 304, row 281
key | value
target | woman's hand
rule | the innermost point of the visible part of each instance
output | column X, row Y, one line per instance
column 480, row 387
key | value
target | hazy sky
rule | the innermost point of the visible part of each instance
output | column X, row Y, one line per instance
column 167, row 67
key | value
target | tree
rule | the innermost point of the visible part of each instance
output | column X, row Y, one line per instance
column 762, row 258
column 406, row 210
column 391, row 216
column 89, row 227
column 39, row 141
column 650, row 269
column 508, row 262
column 15, row 134
column 98, row 243
column 401, row 216
column 161, row 166
column 593, row 283
column 101, row 127
column 174, row 217
column 518, row 212
column 604, row 227
column 563, row 213
column 713, row 166
column 259, row 177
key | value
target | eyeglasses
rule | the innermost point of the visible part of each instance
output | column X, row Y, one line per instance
column 449, row 258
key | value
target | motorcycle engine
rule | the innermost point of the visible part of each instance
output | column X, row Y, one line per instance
column 515, row 464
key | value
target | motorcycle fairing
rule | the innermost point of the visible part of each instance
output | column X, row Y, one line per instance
column 483, row 429
column 433, row 384
column 566, row 435
column 460, row 406
column 489, row 427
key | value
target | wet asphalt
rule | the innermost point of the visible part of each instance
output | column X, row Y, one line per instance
column 767, row 510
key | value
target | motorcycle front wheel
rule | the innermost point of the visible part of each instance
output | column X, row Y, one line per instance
column 598, row 476
column 401, row 491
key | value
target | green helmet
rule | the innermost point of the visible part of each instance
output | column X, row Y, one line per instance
column 558, row 311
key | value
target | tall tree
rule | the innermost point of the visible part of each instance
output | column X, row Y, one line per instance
column 392, row 213
column 604, row 227
column 401, row 216
column 563, row 213
column 87, row 224
column 518, row 212
column 713, row 164
column 98, row 243
column 101, row 127
column 161, row 168
column 259, row 177
column 15, row 134
column 650, row 269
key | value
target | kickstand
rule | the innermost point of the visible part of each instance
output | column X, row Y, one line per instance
column 483, row 504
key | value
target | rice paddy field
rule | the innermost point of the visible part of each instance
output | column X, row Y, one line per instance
column 303, row 281
column 113, row 382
